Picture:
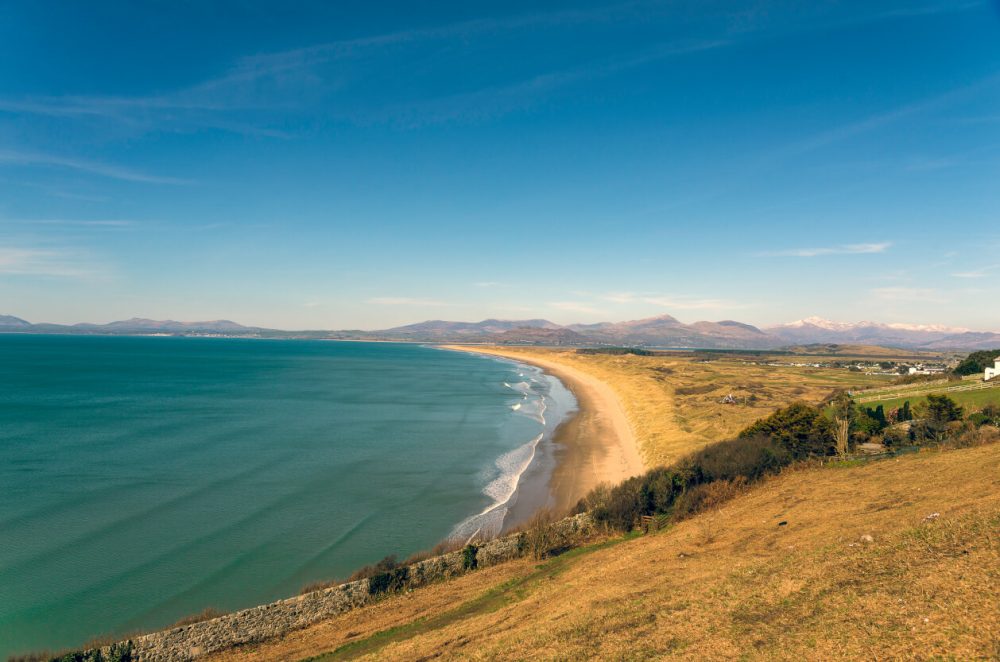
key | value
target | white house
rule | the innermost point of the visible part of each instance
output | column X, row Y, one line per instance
column 992, row 372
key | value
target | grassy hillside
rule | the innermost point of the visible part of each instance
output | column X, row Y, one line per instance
column 785, row 571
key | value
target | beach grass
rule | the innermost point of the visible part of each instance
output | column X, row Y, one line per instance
column 674, row 402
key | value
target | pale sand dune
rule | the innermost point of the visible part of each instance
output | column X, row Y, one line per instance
column 597, row 445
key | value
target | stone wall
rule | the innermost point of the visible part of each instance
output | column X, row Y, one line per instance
column 266, row 621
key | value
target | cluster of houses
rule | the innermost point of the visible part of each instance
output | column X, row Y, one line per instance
column 921, row 369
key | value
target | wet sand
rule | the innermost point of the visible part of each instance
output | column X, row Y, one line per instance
column 594, row 445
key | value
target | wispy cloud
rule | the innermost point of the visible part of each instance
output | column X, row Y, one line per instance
column 261, row 82
column 20, row 158
column 114, row 223
column 982, row 272
column 908, row 294
column 495, row 101
column 672, row 301
column 845, row 249
column 407, row 301
column 877, row 121
column 262, row 89
column 679, row 303
column 20, row 261
column 576, row 307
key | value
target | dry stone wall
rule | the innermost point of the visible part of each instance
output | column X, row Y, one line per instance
column 267, row 621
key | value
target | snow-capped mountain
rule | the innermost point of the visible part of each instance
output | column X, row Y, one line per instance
column 820, row 330
column 830, row 325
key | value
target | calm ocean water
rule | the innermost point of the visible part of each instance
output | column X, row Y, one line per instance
column 144, row 479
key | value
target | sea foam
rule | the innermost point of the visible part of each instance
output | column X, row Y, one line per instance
column 511, row 466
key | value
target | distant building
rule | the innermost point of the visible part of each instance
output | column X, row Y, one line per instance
column 992, row 372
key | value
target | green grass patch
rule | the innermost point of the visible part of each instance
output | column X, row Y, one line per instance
column 970, row 400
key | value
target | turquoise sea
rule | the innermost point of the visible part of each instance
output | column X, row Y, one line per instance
column 143, row 479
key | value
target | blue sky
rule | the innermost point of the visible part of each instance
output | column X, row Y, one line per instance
column 325, row 165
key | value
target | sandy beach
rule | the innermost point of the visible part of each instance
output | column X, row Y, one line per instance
column 594, row 445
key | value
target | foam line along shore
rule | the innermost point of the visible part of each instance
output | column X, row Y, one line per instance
column 595, row 444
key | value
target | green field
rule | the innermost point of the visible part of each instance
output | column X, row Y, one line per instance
column 971, row 400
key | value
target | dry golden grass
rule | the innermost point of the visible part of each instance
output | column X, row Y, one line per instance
column 732, row 583
column 673, row 401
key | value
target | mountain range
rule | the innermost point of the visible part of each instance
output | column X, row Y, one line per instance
column 660, row 331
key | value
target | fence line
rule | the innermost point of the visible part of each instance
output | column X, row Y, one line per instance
column 922, row 392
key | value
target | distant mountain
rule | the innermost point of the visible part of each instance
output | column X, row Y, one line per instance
column 819, row 330
column 659, row 331
column 154, row 326
column 539, row 336
column 135, row 325
column 11, row 322
column 435, row 329
column 668, row 331
column 968, row 340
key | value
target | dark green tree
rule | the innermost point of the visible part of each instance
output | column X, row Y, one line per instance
column 800, row 428
column 942, row 409
column 977, row 362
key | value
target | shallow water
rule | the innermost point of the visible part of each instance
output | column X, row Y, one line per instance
column 143, row 479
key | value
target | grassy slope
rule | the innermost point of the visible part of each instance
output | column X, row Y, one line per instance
column 732, row 583
column 673, row 401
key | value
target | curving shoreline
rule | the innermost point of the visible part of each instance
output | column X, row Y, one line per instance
column 594, row 445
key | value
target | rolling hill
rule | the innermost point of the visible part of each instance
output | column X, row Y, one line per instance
column 663, row 331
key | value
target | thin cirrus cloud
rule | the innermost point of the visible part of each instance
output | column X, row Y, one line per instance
column 70, row 222
column 672, row 301
column 845, row 249
column 877, row 121
column 243, row 87
column 407, row 301
column 576, row 307
column 908, row 294
column 20, row 158
column 982, row 272
column 19, row 261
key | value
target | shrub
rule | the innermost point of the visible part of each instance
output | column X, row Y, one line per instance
column 895, row 437
column 750, row 458
column 705, row 497
column 469, row 554
column 942, row 409
column 683, row 488
column 979, row 419
column 802, row 429
column 540, row 539
column 385, row 565
column 988, row 415
column 623, row 504
column 976, row 437
column 388, row 581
